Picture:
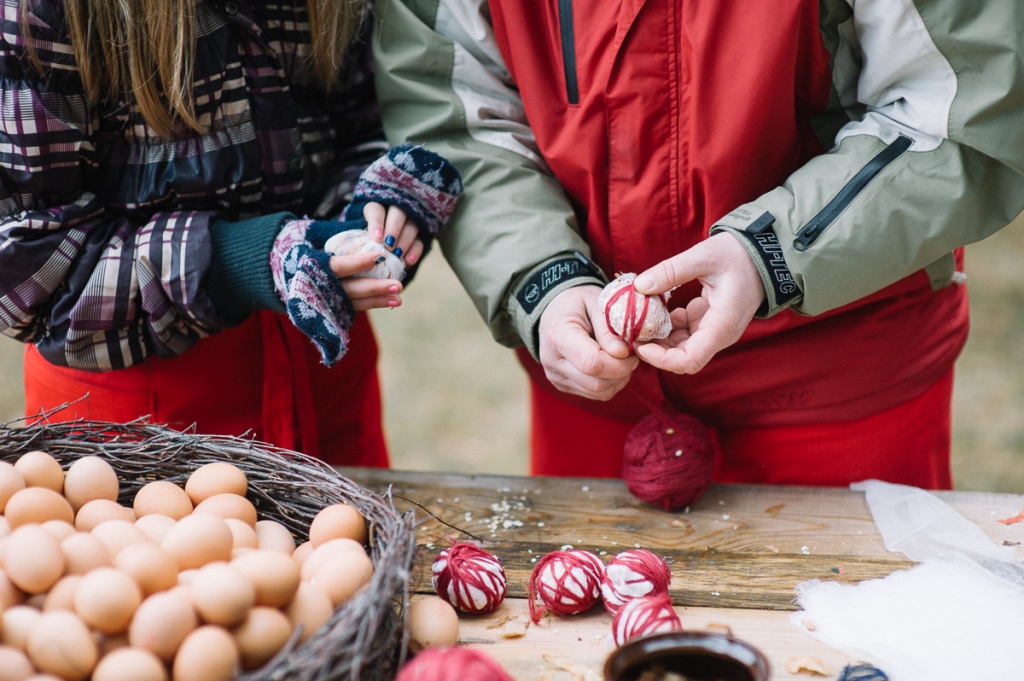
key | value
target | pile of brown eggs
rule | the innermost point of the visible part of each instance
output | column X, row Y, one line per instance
column 187, row 584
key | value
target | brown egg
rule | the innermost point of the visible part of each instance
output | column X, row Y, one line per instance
column 84, row 552
column 328, row 552
column 33, row 559
column 262, row 635
column 273, row 536
column 215, row 478
column 130, row 664
column 97, row 511
column 37, row 505
column 60, row 644
column 162, row 497
column 207, row 654
column 14, row 664
column 10, row 482
column 162, row 622
column 221, row 595
column 242, row 535
column 229, row 506
column 432, row 622
column 61, row 595
column 152, row 568
column 106, row 599
column 117, row 534
column 335, row 522
column 39, row 469
column 310, row 609
column 342, row 576
column 59, row 529
column 88, row 479
column 274, row 576
column 155, row 526
column 302, row 553
column 5, row 527
column 18, row 622
column 196, row 540
column 10, row 595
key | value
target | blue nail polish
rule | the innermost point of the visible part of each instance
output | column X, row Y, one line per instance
column 398, row 252
column 380, row 259
column 389, row 241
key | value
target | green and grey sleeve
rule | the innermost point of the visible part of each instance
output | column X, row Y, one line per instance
column 513, row 239
column 932, row 158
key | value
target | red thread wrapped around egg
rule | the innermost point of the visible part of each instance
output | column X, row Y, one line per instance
column 644, row 615
column 452, row 664
column 565, row 582
column 631, row 574
column 469, row 578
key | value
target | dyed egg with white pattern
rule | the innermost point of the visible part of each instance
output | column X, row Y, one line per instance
column 469, row 578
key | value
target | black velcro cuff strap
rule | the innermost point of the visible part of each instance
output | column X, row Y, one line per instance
column 540, row 285
column 759, row 239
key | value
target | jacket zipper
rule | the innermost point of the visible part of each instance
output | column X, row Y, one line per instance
column 572, row 87
column 810, row 232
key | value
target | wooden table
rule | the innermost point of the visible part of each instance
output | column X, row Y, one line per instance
column 735, row 556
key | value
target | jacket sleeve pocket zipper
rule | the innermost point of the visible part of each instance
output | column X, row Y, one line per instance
column 810, row 232
column 568, row 50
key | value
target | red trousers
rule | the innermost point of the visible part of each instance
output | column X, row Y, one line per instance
column 263, row 377
column 908, row 444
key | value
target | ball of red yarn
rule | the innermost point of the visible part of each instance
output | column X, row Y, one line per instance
column 565, row 582
column 668, row 460
column 452, row 664
column 644, row 615
column 631, row 574
column 469, row 578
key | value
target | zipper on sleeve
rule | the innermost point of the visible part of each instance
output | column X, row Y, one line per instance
column 572, row 88
column 809, row 233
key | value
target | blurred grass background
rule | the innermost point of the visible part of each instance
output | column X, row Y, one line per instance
column 456, row 401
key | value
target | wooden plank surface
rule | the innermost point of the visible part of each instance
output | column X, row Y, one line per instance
column 739, row 546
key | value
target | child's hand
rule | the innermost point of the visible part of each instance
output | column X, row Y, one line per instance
column 392, row 227
column 365, row 293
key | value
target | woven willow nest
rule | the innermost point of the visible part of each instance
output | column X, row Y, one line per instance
column 365, row 638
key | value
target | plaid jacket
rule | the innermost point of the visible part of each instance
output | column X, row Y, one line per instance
column 104, row 227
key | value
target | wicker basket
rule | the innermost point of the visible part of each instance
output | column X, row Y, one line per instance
column 365, row 638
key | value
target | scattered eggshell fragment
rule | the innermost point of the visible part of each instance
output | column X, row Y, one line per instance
column 337, row 521
column 61, row 644
column 163, row 497
column 196, row 540
column 106, row 599
column 130, row 664
column 263, row 633
column 39, row 469
column 273, row 536
column 228, row 506
column 207, row 654
column 162, row 622
column 37, row 505
column 88, row 479
column 433, row 622
column 97, row 511
column 32, row 559
column 215, row 478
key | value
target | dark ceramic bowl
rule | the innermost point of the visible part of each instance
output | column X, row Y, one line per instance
column 698, row 656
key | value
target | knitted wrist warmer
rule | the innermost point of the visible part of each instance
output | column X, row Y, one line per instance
column 239, row 279
column 424, row 185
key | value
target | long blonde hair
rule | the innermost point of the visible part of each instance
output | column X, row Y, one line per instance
column 143, row 51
